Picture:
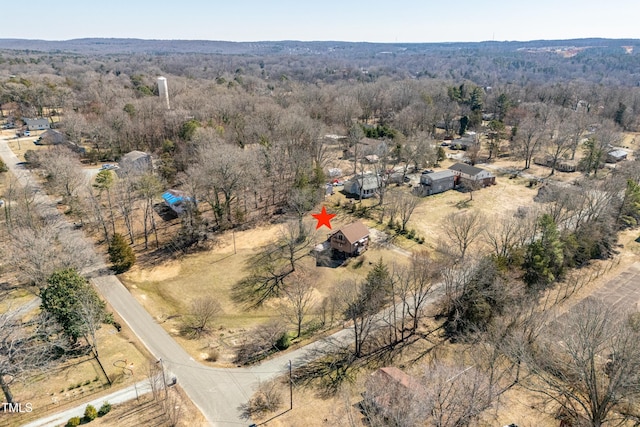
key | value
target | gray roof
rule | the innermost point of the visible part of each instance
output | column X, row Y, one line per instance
column 36, row 122
column 367, row 182
column 434, row 176
column 466, row 169
column 52, row 136
column 132, row 156
column 617, row 153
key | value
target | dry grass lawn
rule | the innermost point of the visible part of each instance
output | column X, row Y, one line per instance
column 494, row 202
column 150, row 413
column 81, row 379
column 166, row 291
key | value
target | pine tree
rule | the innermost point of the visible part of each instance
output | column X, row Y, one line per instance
column 120, row 254
column 544, row 262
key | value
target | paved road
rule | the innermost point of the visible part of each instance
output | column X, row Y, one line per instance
column 623, row 291
column 120, row 396
column 218, row 393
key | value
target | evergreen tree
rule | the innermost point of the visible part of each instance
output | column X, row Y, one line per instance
column 67, row 296
column 629, row 213
column 544, row 260
column 377, row 286
column 120, row 254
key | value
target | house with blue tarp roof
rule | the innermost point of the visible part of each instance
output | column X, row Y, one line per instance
column 176, row 200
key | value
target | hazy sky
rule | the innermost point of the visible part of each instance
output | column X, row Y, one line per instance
column 348, row 20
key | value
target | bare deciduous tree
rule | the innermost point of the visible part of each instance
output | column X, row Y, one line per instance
column 203, row 312
column 463, row 229
column 64, row 172
column 456, row 395
column 403, row 205
column 26, row 347
column 588, row 365
column 299, row 301
column 504, row 236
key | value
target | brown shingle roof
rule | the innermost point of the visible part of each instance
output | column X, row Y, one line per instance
column 396, row 375
column 354, row 231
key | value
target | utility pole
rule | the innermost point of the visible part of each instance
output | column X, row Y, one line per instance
column 164, row 378
column 233, row 233
column 290, row 388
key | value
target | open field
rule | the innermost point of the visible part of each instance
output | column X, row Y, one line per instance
column 166, row 291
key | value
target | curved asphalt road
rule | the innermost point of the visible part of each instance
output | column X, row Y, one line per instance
column 218, row 393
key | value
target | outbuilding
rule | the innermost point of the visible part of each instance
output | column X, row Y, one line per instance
column 616, row 156
column 436, row 182
column 176, row 200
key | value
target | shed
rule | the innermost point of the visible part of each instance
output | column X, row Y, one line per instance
column 562, row 165
column 176, row 200
column 616, row 156
column 466, row 172
column 363, row 185
column 350, row 240
column 37, row 124
column 436, row 182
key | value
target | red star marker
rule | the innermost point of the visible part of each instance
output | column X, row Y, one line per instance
column 323, row 218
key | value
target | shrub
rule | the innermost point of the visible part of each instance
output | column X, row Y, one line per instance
column 73, row 422
column 411, row 233
column 213, row 356
column 120, row 254
column 104, row 409
column 267, row 398
column 32, row 158
column 3, row 167
column 284, row 341
column 90, row 413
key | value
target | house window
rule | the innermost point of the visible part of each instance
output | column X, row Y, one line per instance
column 340, row 237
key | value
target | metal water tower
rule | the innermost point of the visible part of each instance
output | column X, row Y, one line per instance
column 163, row 91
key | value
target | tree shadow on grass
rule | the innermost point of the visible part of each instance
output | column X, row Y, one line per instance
column 327, row 370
